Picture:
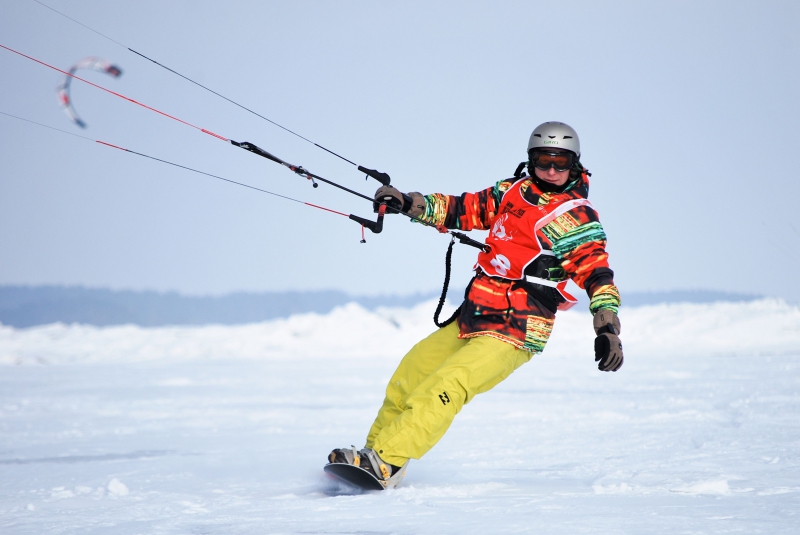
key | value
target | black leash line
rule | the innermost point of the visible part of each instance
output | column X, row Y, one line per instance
column 447, row 260
column 383, row 178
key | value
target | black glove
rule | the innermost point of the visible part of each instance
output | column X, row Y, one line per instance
column 607, row 345
column 411, row 203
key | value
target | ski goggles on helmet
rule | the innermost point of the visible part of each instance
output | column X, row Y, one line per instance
column 544, row 160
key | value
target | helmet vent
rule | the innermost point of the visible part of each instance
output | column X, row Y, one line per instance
column 555, row 135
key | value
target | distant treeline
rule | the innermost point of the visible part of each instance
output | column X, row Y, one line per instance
column 26, row 306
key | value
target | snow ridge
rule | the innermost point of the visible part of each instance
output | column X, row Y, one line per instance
column 764, row 327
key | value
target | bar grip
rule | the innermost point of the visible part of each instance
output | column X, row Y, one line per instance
column 383, row 178
column 246, row 145
column 375, row 226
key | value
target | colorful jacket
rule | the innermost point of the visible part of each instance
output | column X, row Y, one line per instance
column 519, row 312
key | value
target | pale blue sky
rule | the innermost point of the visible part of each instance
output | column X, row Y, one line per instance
column 687, row 114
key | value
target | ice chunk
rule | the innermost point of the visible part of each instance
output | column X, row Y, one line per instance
column 712, row 486
column 117, row 488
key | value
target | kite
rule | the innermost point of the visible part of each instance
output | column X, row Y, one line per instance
column 92, row 64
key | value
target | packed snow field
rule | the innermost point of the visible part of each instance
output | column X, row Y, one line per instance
column 128, row 430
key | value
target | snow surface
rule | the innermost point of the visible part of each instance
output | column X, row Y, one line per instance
column 224, row 429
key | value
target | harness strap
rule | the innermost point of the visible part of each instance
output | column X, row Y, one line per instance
column 560, row 287
column 543, row 282
column 452, row 318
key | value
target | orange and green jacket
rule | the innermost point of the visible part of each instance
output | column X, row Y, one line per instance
column 517, row 311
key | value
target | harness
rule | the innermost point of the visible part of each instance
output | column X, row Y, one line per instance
column 513, row 245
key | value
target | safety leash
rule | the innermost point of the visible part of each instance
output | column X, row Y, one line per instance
column 446, row 284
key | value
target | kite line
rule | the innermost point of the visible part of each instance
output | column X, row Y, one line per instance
column 383, row 178
column 111, row 145
column 380, row 207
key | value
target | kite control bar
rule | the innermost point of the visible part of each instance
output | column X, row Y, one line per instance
column 375, row 226
column 383, row 178
column 246, row 145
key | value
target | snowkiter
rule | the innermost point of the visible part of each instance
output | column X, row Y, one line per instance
column 542, row 232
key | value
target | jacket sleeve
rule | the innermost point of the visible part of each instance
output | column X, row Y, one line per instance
column 579, row 242
column 465, row 212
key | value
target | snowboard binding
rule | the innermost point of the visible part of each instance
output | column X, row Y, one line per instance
column 363, row 469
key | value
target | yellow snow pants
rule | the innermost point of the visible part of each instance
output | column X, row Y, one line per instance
column 434, row 380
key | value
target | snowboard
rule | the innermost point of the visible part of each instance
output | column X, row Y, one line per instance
column 354, row 476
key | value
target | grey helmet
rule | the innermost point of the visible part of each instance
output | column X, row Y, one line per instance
column 554, row 134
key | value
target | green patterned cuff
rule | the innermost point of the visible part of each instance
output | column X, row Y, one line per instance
column 435, row 209
column 605, row 297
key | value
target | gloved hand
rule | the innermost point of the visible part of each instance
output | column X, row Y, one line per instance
column 607, row 345
column 411, row 203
